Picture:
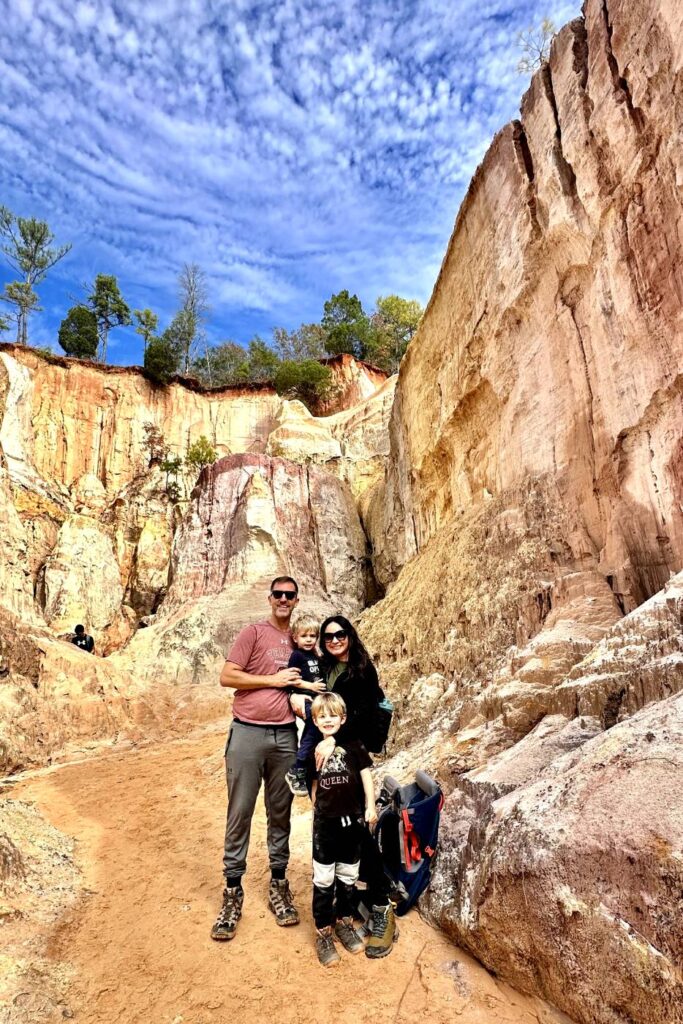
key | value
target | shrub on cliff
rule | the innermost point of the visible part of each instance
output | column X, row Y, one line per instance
column 309, row 381
column 201, row 453
column 162, row 359
column 78, row 333
column 221, row 364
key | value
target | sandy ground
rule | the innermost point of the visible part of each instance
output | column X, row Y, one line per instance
column 135, row 947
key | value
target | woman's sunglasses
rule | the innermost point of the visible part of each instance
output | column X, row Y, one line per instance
column 341, row 634
column 289, row 594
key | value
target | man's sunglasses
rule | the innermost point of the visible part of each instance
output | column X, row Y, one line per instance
column 341, row 634
column 289, row 594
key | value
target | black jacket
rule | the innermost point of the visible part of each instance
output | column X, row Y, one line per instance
column 361, row 697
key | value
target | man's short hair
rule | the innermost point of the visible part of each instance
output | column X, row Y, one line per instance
column 304, row 624
column 328, row 703
column 79, row 629
column 285, row 579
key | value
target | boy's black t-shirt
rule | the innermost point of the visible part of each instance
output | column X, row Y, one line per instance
column 308, row 663
column 340, row 790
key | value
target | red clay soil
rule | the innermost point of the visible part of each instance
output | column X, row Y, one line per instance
column 135, row 949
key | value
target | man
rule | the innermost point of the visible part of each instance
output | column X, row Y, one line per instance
column 83, row 640
column 261, row 746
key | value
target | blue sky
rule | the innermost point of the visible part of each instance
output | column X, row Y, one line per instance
column 290, row 149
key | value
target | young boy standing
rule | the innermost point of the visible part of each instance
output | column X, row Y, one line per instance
column 305, row 636
column 343, row 798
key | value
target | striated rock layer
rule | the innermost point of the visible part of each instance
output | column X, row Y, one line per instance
column 552, row 344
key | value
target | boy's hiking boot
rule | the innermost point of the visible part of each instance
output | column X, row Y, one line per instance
column 296, row 780
column 281, row 903
column 325, row 947
column 230, row 913
column 347, row 935
column 383, row 932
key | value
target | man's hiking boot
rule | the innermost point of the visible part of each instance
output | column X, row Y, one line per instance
column 281, row 903
column 383, row 932
column 230, row 913
column 347, row 935
column 325, row 947
column 296, row 780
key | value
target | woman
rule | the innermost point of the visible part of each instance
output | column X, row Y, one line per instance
column 348, row 671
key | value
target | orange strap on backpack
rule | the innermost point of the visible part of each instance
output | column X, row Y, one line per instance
column 412, row 850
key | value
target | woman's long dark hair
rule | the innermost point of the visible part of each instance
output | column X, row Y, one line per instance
column 359, row 659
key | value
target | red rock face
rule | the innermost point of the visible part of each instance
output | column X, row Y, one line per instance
column 253, row 517
column 355, row 382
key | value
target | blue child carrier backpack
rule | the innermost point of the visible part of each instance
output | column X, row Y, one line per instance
column 407, row 831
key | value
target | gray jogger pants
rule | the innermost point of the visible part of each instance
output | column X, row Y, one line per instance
column 255, row 754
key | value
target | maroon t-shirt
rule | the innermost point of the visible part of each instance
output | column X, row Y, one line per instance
column 262, row 650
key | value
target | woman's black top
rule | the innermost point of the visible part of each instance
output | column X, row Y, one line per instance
column 361, row 694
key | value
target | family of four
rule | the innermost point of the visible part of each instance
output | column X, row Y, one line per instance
column 277, row 674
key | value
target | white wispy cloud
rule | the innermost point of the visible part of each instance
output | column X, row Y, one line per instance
column 290, row 148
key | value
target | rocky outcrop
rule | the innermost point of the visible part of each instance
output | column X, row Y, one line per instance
column 95, row 531
column 253, row 517
column 56, row 700
column 560, row 850
column 571, row 885
column 532, row 500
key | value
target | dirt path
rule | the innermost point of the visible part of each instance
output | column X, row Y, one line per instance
column 148, row 826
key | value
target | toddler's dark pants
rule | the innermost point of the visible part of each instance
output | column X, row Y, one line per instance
column 310, row 738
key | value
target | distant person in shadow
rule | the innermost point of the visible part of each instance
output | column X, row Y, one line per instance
column 349, row 672
column 261, row 747
column 83, row 640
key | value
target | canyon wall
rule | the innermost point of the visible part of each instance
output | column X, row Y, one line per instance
column 531, row 505
column 551, row 347
column 163, row 570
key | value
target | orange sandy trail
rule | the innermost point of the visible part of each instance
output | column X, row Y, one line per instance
column 149, row 829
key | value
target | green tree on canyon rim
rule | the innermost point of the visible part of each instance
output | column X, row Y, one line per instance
column 22, row 301
column 27, row 244
column 162, row 356
column 346, row 325
column 78, row 333
column 380, row 337
column 110, row 309
column 147, row 326
column 222, row 364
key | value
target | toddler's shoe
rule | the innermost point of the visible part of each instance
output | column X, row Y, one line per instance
column 325, row 947
column 296, row 780
column 347, row 935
